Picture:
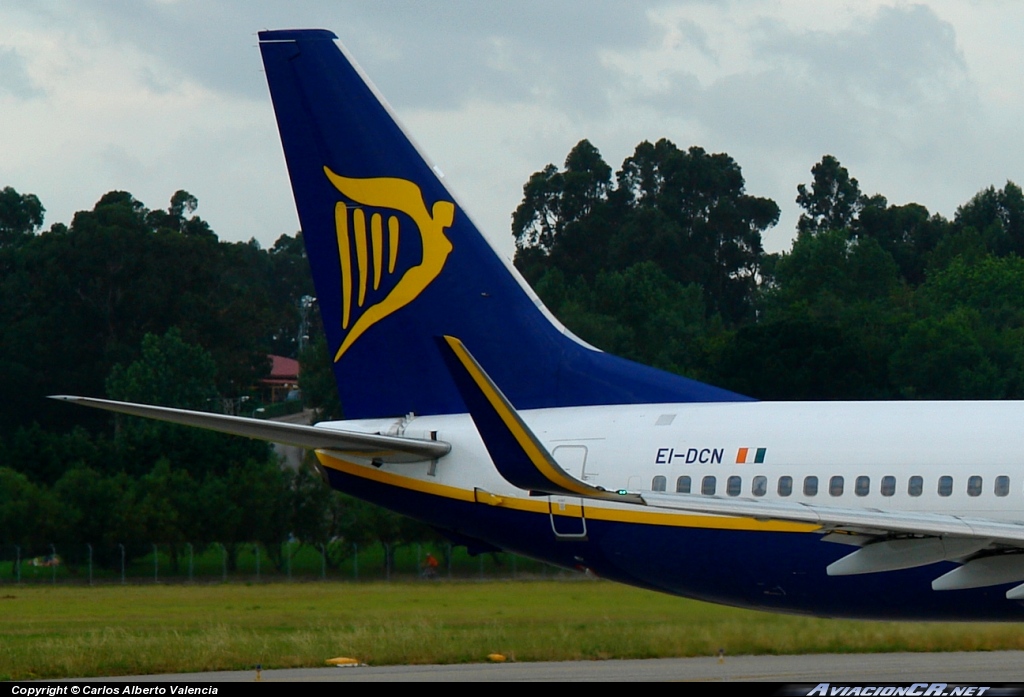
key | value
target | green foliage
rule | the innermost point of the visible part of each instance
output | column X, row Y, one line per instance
column 170, row 372
column 833, row 200
column 27, row 511
column 684, row 211
column 661, row 263
column 77, row 300
column 316, row 380
column 801, row 359
column 829, row 266
column 999, row 216
column 638, row 313
column 21, row 215
column 943, row 358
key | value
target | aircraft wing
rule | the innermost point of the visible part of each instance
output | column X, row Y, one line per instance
column 371, row 446
column 862, row 521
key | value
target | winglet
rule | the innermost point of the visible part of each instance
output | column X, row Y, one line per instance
column 516, row 452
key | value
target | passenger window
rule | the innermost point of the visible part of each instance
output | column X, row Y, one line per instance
column 785, row 486
column 1002, row 485
column 759, row 487
column 862, row 486
column 974, row 486
column 732, row 485
column 945, row 485
column 658, row 484
column 683, row 485
column 888, row 485
column 707, row 486
column 810, row 486
column 835, row 486
column 916, row 486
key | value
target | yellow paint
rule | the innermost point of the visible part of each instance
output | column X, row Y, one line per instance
column 534, row 450
column 404, row 196
column 487, row 497
column 342, row 661
column 636, row 514
column 377, row 247
column 359, row 231
column 345, row 255
column 392, row 243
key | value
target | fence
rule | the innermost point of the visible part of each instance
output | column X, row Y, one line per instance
column 249, row 562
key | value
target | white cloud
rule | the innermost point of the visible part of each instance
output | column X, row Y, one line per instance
column 918, row 100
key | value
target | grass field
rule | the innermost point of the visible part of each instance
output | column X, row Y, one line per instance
column 64, row 631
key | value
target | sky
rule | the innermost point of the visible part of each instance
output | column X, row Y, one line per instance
column 922, row 102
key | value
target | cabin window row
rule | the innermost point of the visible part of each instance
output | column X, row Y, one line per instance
column 836, row 486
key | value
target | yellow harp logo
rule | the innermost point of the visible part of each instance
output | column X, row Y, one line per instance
column 379, row 199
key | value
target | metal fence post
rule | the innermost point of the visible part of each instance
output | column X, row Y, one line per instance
column 17, row 563
column 288, row 558
column 355, row 561
column 323, row 561
column 122, row 562
column 90, row 562
column 256, row 549
column 53, row 564
column 387, row 561
column 224, row 561
column 190, row 560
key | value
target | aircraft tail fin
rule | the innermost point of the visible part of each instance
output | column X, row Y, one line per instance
column 397, row 263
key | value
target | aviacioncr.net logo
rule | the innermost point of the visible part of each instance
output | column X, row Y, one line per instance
column 369, row 238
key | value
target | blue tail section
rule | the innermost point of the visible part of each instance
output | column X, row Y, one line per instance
column 397, row 263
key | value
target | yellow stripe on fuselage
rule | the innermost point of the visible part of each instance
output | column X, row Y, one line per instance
column 540, row 505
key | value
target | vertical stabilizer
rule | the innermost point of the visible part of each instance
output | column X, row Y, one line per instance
column 397, row 263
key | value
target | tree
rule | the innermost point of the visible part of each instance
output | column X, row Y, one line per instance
column 998, row 215
column 908, row 233
column 172, row 372
column 685, row 211
column 944, row 358
column 21, row 215
column 316, row 380
column 552, row 200
column 832, row 202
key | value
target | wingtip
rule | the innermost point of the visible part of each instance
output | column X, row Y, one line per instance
column 64, row 397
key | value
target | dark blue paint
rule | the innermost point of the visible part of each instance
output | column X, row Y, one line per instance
column 775, row 571
column 327, row 116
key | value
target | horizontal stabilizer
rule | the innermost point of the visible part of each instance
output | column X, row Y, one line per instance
column 516, row 452
column 390, row 449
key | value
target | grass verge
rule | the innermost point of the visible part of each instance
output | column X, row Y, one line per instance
column 59, row 631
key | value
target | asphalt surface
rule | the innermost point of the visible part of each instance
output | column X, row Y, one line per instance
column 979, row 668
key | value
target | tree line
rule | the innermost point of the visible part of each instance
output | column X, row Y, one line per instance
column 149, row 305
column 661, row 261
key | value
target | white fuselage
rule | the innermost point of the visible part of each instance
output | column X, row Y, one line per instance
column 958, row 458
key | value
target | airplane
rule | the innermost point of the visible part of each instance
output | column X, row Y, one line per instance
column 470, row 407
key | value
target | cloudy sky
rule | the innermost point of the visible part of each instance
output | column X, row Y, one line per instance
column 921, row 101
